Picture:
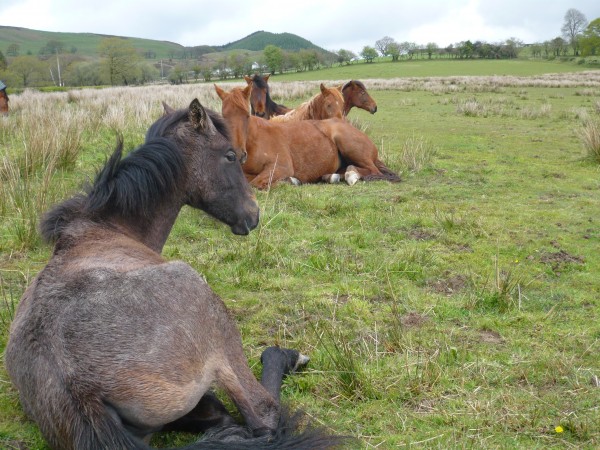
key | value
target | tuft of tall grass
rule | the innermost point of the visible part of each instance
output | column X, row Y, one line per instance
column 417, row 153
column 23, row 198
column 504, row 293
column 590, row 135
column 347, row 365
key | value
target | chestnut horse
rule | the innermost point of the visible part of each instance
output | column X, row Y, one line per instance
column 111, row 342
column 262, row 104
column 355, row 94
column 327, row 104
column 307, row 150
column 3, row 99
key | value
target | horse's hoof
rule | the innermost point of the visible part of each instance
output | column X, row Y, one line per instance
column 301, row 362
column 332, row 178
column 351, row 176
column 295, row 181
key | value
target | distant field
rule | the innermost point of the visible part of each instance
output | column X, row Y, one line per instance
column 459, row 308
column 435, row 68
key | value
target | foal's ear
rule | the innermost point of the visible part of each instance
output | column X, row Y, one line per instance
column 248, row 79
column 220, row 92
column 266, row 77
column 199, row 118
column 323, row 88
column 168, row 109
column 246, row 91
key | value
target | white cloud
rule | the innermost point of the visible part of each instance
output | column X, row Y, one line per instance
column 334, row 24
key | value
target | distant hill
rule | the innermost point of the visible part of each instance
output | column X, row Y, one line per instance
column 86, row 44
column 83, row 44
column 258, row 40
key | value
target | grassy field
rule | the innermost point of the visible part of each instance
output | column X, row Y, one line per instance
column 457, row 309
column 434, row 67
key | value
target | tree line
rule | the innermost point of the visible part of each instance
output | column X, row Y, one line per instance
column 121, row 64
column 578, row 37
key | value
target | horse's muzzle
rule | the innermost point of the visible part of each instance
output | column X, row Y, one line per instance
column 247, row 224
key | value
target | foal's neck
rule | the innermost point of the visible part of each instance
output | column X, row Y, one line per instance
column 153, row 230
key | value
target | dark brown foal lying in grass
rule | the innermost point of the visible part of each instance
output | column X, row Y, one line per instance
column 111, row 343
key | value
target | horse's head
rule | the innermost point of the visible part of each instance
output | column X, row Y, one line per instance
column 355, row 94
column 213, row 181
column 259, row 95
column 235, row 111
column 329, row 103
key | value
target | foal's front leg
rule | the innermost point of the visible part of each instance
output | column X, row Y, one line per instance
column 278, row 362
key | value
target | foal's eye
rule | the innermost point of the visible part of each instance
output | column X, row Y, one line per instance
column 230, row 155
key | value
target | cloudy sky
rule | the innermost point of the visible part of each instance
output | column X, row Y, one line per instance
column 331, row 24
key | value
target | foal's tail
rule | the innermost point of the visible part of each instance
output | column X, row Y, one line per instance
column 290, row 434
column 96, row 428
column 386, row 173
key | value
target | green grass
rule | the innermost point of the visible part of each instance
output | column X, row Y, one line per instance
column 434, row 68
column 457, row 309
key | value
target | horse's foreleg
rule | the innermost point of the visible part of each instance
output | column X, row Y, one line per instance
column 278, row 362
column 270, row 176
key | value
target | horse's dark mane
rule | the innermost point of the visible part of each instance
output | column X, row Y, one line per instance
column 127, row 187
column 358, row 83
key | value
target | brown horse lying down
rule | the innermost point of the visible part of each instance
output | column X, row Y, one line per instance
column 327, row 104
column 308, row 150
column 111, row 342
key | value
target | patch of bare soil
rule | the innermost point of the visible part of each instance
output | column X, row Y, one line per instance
column 558, row 260
column 413, row 320
column 490, row 337
column 420, row 234
column 450, row 284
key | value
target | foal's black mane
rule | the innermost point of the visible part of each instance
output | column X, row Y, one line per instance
column 358, row 83
column 130, row 186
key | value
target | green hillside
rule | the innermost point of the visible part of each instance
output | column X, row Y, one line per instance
column 86, row 44
column 258, row 40
column 83, row 44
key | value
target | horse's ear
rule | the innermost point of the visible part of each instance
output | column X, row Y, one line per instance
column 266, row 77
column 340, row 87
column 248, row 79
column 246, row 91
column 199, row 117
column 168, row 109
column 323, row 88
column 220, row 92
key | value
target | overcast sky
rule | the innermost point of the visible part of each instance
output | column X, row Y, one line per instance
column 330, row 24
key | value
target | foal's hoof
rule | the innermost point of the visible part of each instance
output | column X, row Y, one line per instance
column 292, row 359
column 294, row 181
column 351, row 176
column 331, row 178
